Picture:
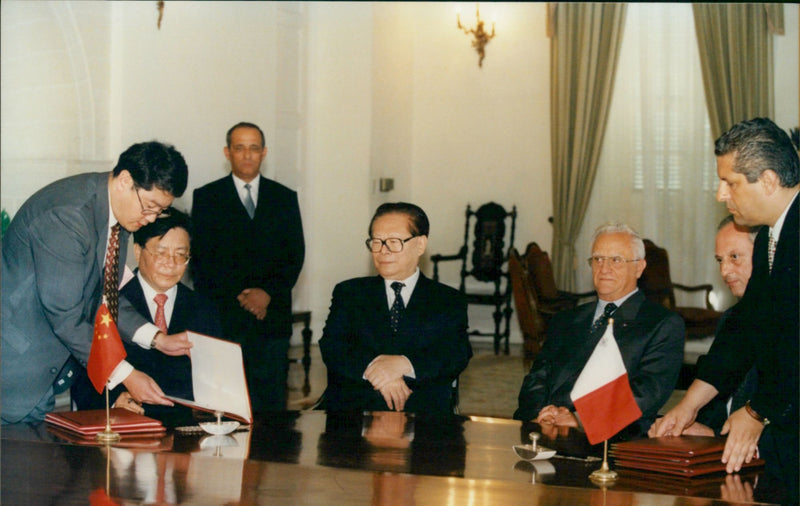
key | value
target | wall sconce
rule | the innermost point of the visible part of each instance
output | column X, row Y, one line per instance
column 481, row 37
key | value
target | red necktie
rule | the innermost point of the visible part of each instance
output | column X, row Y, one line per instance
column 111, row 275
column 161, row 319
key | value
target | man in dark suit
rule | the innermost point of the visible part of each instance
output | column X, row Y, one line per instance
column 734, row 253
column 162, row 250
column 248, row 250
column 759, row 176
column 55, row 254
column 649, row 337
column 396, row 341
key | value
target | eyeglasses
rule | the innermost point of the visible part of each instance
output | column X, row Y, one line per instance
column 158, row 212
column 163, row 254
column 393, row 244
column 616, row 262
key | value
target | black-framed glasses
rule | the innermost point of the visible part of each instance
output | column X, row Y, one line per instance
column 393, row 244
column 599, row 261
column 161, row 255
column 158, row 212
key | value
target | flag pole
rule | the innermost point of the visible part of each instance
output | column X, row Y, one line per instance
column 108, row 436
column 604, row 474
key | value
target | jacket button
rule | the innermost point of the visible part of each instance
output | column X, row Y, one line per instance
column 53, row 370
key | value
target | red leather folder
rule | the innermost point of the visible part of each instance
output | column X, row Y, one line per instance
column 687, row 456
column 92, row 421
column 151, row 441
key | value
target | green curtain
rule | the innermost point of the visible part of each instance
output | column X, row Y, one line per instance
column 735, row 43
column 584, row 49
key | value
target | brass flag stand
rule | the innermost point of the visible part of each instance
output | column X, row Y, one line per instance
column 108, row 436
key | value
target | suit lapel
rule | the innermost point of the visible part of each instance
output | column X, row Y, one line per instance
column 788, row 241
column 180, row 311
column 101, row 215
column 134, row 293
column 230, row 200
column 585, row 341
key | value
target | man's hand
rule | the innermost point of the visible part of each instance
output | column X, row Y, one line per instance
column 395, row 393
column 254, row 301
column 683, row 415
column 674, row 422
column 144, row 389
column 125, row 401
column 742, row 444
column 173, row 345
column 697, row 429
column 557, row 415
column 386, row 369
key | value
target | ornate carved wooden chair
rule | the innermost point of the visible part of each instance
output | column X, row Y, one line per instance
column 546, row 299
column 484, row 260
column 531, row 323
column 657, row 286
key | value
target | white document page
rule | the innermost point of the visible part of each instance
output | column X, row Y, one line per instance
column 218, row 378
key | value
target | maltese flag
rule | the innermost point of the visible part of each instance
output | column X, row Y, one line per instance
column 602, row 394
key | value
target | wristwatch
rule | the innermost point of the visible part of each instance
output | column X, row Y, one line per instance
column 153, row 342
column 752, row 412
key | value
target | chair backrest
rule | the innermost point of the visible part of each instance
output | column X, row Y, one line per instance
column 488, row 247
column 531, row 322
column 540, row 271
column 656, row 282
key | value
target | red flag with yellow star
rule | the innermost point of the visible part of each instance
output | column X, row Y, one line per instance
column 107, row 350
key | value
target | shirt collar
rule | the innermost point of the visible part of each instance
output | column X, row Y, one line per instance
column 775, row 230
column 240, row 189
column 149, row 292
column 410, row 283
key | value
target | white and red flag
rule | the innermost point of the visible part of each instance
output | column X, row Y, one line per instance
column 602, row 394
column 107, row 349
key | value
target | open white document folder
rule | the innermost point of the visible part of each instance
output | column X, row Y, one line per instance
column 218, row 378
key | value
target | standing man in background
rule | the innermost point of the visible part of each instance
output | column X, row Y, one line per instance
column 248, row 250
column 65, row 251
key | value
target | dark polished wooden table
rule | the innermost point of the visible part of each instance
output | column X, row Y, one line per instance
column 311, row 457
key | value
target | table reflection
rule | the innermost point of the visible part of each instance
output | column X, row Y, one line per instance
column 305, row 455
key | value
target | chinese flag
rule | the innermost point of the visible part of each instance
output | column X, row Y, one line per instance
column 602, row 394
column 107, row 350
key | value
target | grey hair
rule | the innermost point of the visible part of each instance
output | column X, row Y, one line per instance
column 615, row 227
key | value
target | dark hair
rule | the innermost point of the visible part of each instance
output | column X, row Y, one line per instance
column 160, row 227
column 759, row 144
column 155, row 164
column 243, row 124
column 418, row 220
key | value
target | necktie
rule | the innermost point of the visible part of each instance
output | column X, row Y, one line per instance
column 249, row 205
column 111, row 274
column 161, row 319
column 397, row 307
column 601, row 322
column 771, row 250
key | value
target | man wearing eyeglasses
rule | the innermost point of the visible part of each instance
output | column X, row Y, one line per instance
column 54, row 261
column 396, row 341
column 162, row 251
column 650, row 338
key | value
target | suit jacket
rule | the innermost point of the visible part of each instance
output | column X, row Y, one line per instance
column 52, row 283
column 173, row 374
column 432, row 334
column 715, row 413
column 231, row 252
column 650, row 339
column 762, row 330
